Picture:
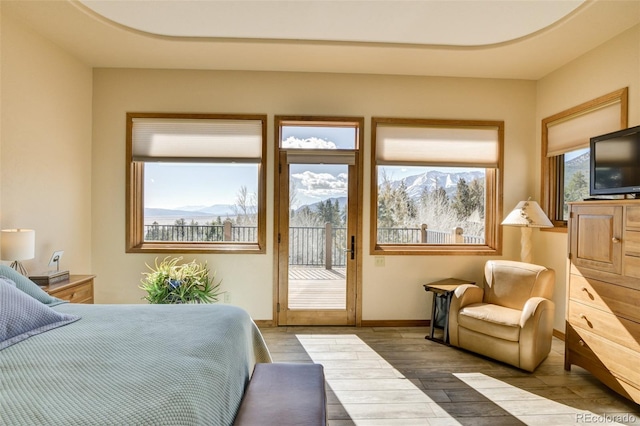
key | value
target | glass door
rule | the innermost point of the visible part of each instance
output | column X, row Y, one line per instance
column 318, row 243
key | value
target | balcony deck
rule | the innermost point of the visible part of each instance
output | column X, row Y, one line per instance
column 317, row 288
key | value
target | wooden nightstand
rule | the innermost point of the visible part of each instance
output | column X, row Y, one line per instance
column 77, row 289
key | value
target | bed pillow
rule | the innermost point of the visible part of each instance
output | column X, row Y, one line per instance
column 25, row 284
column 22, row 316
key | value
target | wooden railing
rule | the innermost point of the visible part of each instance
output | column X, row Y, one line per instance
column 308, row 245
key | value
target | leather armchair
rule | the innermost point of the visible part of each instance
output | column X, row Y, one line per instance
column 511, row 318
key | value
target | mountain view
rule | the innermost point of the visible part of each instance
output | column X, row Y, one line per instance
column 415, row 186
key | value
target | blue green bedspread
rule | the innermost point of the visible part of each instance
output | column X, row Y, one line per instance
column 133, row 365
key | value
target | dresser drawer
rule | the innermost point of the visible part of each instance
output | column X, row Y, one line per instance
column 605, row 324
column 608, row 297
column 633, row 217
column 82, row 293
column 612, row 364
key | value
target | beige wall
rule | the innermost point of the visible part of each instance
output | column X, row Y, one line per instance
column 46, row 147
column 392, row 292
column 612, row 66
column 72, row 192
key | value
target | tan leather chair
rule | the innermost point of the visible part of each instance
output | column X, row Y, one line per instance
column 511, row 318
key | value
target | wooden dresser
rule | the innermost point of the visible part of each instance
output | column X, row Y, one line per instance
column 603, row 293
column 77, row 289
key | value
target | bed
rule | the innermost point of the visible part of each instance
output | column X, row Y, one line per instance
column 126, row 364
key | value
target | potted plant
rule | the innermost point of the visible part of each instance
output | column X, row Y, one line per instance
column 170, row 282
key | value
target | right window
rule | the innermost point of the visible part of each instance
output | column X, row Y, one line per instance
column 565, row 150
column 436, row 186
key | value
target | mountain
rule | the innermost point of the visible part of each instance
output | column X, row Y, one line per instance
column 341, row 202
column 580, row 163
column 433, row 180
column 187, row 212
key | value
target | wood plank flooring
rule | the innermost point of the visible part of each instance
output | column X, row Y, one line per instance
column 392, row 376
column 317, row 288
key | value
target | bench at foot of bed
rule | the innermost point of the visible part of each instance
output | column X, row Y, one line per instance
column 283, row 394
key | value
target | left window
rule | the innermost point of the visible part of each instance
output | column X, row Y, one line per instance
column 195, row 183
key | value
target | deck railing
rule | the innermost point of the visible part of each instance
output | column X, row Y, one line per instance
column 308, row 245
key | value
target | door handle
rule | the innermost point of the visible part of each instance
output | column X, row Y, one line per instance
column 353, row 247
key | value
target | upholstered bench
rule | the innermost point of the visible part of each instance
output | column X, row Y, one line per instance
column 283, row 394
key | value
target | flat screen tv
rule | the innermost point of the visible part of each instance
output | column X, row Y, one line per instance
column 615, row 163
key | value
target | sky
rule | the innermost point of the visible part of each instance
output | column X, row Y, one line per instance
column 175, row 186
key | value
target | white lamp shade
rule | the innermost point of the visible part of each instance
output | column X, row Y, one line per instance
column 528, row 213
column 18, row 244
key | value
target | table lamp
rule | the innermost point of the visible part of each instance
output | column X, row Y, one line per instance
column 527, row 215
column 18, row 244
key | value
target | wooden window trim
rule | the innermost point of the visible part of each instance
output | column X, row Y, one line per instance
column 134, row 238
column 552, row 170
column 494, row 185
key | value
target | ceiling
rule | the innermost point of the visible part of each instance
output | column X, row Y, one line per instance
column 516, row 39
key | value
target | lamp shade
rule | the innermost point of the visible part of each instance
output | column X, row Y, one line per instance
column 18, row 244
column 528, row 213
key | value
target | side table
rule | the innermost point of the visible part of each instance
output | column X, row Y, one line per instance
column 77, row 289
column 444, row 288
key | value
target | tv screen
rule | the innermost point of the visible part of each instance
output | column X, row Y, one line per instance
column 615, row 163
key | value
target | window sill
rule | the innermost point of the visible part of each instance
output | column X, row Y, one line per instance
column 432, row 250
column 238, row 248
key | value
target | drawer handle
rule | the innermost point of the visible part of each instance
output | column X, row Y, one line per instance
column 584, row 317
column 586, row 290
column 581, row 342
column 615, row 240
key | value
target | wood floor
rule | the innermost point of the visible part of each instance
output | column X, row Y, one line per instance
column 317, row 288
column 393, row 376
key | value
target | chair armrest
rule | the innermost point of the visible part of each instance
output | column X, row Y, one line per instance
column 464, row 295
column 536, row 331
column 532, row 310
column 467, row 294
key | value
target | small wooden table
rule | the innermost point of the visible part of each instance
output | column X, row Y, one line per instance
column 446, row 288
column 77, row 289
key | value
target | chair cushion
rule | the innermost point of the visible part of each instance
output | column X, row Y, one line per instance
column 493, row 320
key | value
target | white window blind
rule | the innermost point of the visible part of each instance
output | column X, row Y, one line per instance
column 575, row 131
column 437, row 146
column 196, row 140
column 321, row 157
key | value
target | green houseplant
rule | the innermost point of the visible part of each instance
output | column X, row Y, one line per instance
column 171, row 282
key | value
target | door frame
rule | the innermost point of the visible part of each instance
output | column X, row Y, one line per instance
column 357, row 215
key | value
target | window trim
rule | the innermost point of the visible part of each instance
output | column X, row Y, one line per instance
column 134, row 238
column 552, row 175
column 493, row 202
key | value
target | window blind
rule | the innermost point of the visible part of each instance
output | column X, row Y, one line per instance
column 575, row 131
column 196, row 140
column 437, row 146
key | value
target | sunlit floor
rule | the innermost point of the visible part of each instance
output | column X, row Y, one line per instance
column 393, row 376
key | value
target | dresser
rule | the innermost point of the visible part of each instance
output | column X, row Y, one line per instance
column 77, row 289
column 603, row 293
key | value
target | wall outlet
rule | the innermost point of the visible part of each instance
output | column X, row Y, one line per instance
column 379, row 261
column 226, row 297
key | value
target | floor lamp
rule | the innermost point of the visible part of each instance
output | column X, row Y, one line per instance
column 17, row 245
column 527, row 215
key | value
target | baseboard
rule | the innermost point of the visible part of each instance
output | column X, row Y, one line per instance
column 395, row 323
column 364, row 323
column 264, row 323
column 558, row 334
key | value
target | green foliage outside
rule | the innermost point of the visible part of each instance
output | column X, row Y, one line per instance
column 465, row 208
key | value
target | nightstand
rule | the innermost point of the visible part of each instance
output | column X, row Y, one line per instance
column 77, row 289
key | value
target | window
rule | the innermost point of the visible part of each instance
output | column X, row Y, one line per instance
column 196, row 183
column 436, row 186
column 565, row 150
